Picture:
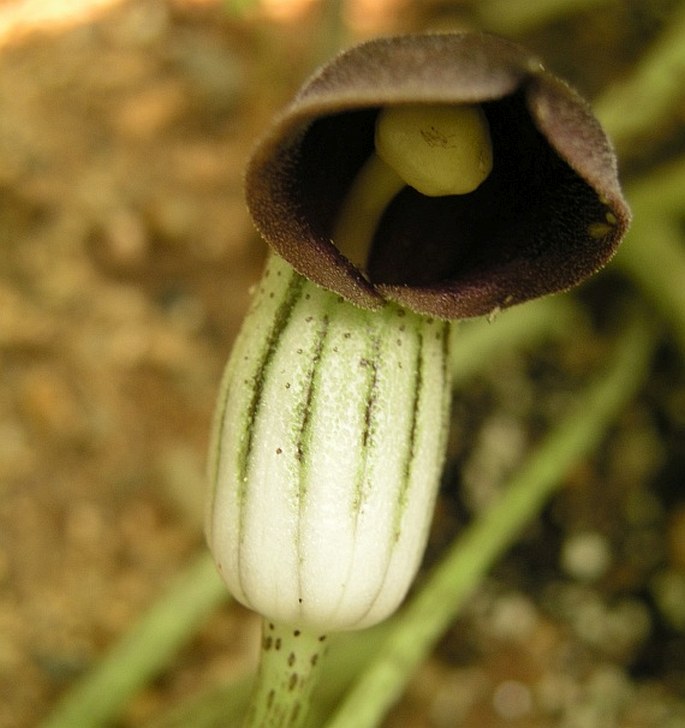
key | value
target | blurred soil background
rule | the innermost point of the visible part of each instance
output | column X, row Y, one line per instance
column 126, row 258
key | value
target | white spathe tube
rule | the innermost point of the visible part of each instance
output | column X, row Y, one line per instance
column 328, row 447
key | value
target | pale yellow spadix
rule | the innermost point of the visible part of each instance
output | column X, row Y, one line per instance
column 438, row 150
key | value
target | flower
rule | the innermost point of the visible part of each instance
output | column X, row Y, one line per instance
column 416, row 178
column 549, row 214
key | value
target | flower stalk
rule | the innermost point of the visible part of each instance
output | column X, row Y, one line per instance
column 288, row 667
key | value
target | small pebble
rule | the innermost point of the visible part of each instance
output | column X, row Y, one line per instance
column 586, row 556
column 512, row 700
column 513, row 617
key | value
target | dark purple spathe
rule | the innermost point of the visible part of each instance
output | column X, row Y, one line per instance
column 550, row 214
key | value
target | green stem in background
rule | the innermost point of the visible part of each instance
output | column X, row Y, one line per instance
column 289, row 664
column 653, row 255
column 660, row 192
column 479, row 341
column 630, row 110
column 212, row 706
column 419, row 626
column 144, row 651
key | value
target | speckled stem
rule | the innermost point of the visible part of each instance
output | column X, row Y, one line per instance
column 289, row 666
